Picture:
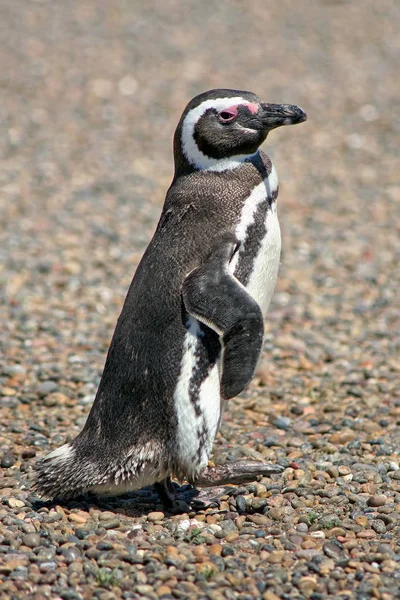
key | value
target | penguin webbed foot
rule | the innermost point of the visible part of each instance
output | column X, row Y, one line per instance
column 236, row 472
column 167, row 493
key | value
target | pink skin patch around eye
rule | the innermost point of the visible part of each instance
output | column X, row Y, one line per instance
column 253, row 108
column 233, row 110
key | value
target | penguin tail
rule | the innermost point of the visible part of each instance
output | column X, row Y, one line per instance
column 62, row 474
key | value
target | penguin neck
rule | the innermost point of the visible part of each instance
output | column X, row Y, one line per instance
column 221, row 165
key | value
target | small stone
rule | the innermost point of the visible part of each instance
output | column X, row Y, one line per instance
column 334, row 551
column 241, row 504
column 46, row 387
column 70, row 554
column 342, row 437
column 379, row 526
column 216, row 549
column 376, row 500
column 268, row 595
column 155, row 516
column 8, row 391
column 55, row 399
column 128, row 85
column 28, row 453
column 80, row 518
column 7, row 460
column 32, row 540
column 144, row 589
column 307, row 585
column 282, row 423
column 11, row 370
column 227, row 550
column 275, row 557
column 15, row 503
column 163, row 590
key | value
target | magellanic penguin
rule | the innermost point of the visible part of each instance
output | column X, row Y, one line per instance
column 191, row 329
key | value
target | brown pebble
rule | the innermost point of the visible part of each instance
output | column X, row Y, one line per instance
column 199, row 551
column 155, row 516
column 15, row 503
column 307, row 585
column 268, row 595
column 163, row 590
column 216, row 549
column 78, row 518
column 206, row 567
column 342, row 437
column 326, row 566
column 275, row 557
column 377, row 500
column 368, row 534
column 231, row 537
column 335, row 532
column 106, row 515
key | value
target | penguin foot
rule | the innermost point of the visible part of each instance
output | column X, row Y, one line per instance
column 167, row 493
column 236, row 472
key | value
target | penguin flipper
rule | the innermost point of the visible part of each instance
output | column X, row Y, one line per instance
column 216, row 298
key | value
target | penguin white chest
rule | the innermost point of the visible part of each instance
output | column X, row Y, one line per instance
column 257, row 261
column 264, row 274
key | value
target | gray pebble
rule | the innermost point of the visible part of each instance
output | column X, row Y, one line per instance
column 46, row 387
column 227, row 550
column 11, row 370
column 282, row 423
column 333, row 550
column 379, row 526
column 241, row 504
column 7, row 460
column 70, row 554
column 32, row 540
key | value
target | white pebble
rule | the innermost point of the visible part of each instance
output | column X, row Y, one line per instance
column 127, row 85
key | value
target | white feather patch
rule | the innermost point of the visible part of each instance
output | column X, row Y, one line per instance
column 189, row 146
column 61, row 454
column 260, row 193
column 209, row 401
column 263, row 278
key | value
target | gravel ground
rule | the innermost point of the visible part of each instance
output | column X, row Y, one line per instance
column 91, row 93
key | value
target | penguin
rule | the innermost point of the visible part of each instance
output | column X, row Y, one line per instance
column 191, row 329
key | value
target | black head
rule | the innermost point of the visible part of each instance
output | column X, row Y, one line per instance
column 220, row 129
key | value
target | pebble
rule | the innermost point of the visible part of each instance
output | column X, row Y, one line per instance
column 376, row 500
column 154, row 517
column 32, row 540
column 46, row 387
column 7, row 460
column 15, row 503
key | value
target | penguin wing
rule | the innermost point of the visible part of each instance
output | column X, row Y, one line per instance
column 215, row 297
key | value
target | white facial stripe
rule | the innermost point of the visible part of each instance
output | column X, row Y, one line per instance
column 189, row 146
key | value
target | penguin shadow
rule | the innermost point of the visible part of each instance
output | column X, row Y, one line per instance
column 141, row 502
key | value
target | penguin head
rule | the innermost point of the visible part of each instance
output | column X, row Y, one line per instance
column 220, row 129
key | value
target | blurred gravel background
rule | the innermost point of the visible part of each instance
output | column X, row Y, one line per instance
column 91, row 92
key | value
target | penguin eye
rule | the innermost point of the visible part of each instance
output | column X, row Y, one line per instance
column 227, row 115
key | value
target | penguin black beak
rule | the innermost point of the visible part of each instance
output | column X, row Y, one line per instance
column 276, row 115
